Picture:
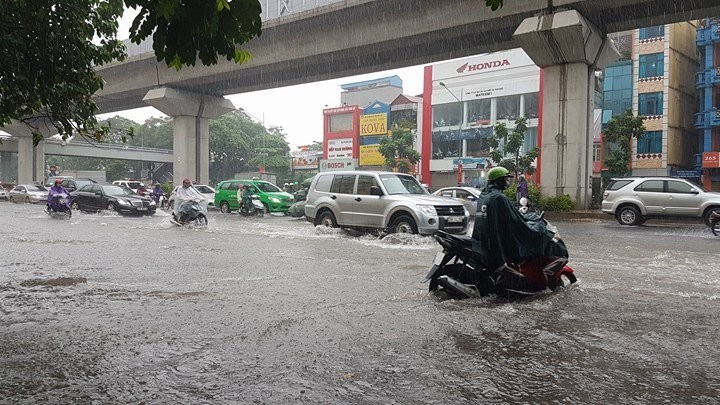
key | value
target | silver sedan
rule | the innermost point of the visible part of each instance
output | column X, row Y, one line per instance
column 29, row 193
column 467, row 195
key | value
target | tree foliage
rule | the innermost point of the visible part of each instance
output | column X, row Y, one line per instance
column 506, row 147
column 619, row 132
column 398, row 149
column 50, row 48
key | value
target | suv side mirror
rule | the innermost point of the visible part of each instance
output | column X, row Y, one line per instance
column 375, row 190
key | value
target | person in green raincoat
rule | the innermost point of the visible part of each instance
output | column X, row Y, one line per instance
column 501, row 234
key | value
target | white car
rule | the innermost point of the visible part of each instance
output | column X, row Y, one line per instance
column 131, row 184
column 467, row 195
column 207, row 192
column 29, row 193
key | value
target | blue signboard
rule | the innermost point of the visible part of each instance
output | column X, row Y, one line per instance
column 688, row 174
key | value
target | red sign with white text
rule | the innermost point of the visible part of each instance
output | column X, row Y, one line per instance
column 711, row 159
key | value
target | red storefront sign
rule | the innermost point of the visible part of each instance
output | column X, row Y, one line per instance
column 711, row 159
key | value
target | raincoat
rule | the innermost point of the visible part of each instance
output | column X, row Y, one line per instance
column 183, row 194
column 55, row 190
column 156, row 193
column 501, row 234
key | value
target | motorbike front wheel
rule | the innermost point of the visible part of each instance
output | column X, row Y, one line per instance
column 201, row 220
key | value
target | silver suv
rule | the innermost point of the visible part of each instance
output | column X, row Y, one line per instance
column 632, row 200
column 381, row 200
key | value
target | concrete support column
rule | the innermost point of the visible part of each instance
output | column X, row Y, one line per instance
column 5, row 167
column 569, row 49
column 31, row 161
column 191, row 132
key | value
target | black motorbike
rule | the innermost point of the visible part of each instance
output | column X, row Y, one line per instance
column 459, row 272
column 191, row 212
column 715, row 223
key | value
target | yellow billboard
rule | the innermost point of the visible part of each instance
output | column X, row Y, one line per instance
column 370, row 155
column 373, row 124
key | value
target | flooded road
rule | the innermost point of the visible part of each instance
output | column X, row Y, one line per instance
column 104, row 309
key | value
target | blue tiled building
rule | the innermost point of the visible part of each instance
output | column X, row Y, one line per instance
column 707, row 82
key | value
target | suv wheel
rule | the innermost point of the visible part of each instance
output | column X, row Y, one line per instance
column 225, row 207
column 629, row 215
column 403, row 224
column 326, row 219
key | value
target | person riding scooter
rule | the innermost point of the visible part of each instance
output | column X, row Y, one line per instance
column 501, row 234
column 156, row 193
column 185, row 193
column 54, row 195
column 244, row 193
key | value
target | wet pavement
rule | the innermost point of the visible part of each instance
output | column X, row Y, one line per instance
column 105, row 309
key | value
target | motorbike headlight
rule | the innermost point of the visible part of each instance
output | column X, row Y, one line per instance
column 275, row 200
column 152, row 202
column 428, row 210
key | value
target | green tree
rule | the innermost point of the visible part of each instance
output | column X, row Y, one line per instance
column 398, row 149
column 619, row 132
column 506, row 147
column 50, row 48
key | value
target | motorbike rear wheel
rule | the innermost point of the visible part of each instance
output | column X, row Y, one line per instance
column 201, row 220
column 715, row 227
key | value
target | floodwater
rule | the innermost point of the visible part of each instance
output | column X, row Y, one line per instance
column 105, row 309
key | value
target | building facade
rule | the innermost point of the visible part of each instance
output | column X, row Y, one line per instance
column 462, row 101
column 664, row 65
column 707, row 120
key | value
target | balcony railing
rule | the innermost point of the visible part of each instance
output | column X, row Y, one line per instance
column 708, row 119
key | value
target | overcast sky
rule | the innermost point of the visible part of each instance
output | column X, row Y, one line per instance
column 298, row 109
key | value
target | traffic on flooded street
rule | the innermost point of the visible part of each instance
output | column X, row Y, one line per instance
column 103, row 308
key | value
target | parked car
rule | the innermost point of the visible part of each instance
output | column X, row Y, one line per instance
column 3, row 193
column 633, row 200
column 29, row 193
column 73, row 184
column 51, row 180
column 131, row 184
column 207, row 191
column 381, row 200
column 272, row 197
column 97, row 197
column 466, row 195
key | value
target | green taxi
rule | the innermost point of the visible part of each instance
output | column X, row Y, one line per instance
column 274, row 199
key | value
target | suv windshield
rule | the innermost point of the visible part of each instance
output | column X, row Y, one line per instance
column 401, row 184
column 267, row 187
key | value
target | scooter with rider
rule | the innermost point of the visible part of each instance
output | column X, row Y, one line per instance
column 59, row 201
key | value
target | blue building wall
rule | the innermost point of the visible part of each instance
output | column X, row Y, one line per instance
column 708, row 81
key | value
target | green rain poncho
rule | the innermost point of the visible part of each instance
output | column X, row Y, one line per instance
column 501, row 234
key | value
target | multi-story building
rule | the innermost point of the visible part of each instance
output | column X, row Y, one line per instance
column 708, row 119
column 664, row 64
column 462, row 102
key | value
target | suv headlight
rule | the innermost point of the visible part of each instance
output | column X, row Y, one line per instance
column 428, row 210
column 275, row 200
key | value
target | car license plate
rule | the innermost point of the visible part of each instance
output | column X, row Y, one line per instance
column 142, row 209
column 455, row 219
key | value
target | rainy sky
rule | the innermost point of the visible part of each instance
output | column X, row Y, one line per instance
column 298, row 109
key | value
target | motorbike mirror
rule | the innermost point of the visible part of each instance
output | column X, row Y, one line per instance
column 375, row 190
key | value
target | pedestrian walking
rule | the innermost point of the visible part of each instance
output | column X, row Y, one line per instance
column 522, row 188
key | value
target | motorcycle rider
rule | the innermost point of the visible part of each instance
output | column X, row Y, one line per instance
column 501, row 234
column 53, row 200
column 243, row 196
column 185, row 193
column 156, row 193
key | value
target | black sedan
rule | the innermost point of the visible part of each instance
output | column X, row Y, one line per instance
column 96, row 197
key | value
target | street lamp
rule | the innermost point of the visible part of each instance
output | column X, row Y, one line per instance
column 451, row 93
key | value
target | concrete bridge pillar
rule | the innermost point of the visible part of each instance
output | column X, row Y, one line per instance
column 191, row 130
column 569, row 49
column 6, row 167
column 31, row 159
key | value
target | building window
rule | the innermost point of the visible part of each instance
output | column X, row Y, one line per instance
column 341, row 122
column 651, row 65
column 445, row 149
column 532, row 101
column 478, row 147
column 479, row 112
column 652, row 32
column 596, row 152
column 508, row 107
column 650, row 103
column 530, row 141
column 445, row 115
column 651, row 142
